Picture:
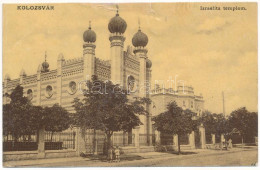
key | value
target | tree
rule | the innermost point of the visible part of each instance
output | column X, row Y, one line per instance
column 56, row 119
column 214, row 123
column 175, row 121
column 245, row 122
column 17, row 115
column 107, row 107
column 21, row 118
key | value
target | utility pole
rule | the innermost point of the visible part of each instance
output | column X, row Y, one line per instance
column 223, row 104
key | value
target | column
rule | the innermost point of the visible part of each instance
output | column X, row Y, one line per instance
column 38, row 96
column 59, row 77
column 89, row 60
column 192, row 139
column 116, row 57
column 7, row 78
column 157, row 137
column 22, row 76
column 136, row 132
column 213, row 137
column 41, row 149
column 202, row 136
column 175, row 142
column 141, row 53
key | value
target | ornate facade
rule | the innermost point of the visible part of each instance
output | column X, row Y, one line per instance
column 132, row 66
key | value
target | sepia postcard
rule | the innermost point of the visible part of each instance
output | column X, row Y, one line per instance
column 130, row 84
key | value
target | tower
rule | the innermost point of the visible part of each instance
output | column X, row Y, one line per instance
column 117, row 27
column 139, row 41
column 89, row 46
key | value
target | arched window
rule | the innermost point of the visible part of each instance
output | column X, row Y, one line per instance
column 72, row 87
column 130, row 82
column 29, row 94
column 49, row 91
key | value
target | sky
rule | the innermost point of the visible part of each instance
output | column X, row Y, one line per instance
column 211, row 50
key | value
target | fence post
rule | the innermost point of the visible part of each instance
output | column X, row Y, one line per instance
column 80, row 143
column 192, row 140
column 213, row 139
column 202, row 136
column 157, row 137
column 41, row 149
column 175, row 142
column 137, row 145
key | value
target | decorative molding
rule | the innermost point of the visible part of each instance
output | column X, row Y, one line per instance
column 30, row 79
column 72, row 61
column 117, row 44
column 49, row 75
column 89, row 51
column 116, row 36
column 90, row 45
column 140, row 50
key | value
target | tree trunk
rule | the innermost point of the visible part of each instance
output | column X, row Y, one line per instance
column 242, row 142
column 95, row 142
column 108, row 134
column 179, row 145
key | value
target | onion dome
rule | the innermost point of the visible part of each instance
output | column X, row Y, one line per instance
column 148, row 63
column 89, row 35
column 45, row 65
column 140, row 39
column 117, row 24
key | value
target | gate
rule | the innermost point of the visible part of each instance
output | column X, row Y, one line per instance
column 91, row 139
column 197, row 139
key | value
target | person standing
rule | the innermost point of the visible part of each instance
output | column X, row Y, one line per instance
column 117, row 153
column 230, row 143
column 110, row 154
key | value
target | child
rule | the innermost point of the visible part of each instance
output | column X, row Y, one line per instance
column 117, row 153
column 110, row 154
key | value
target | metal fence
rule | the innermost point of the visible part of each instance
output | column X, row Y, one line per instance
column 166, row 139
column 22, row 143
column 123, row 139
column 184, row 139
column 208, row 138
column 217, row 138
column 92, row 138
column 59, row 140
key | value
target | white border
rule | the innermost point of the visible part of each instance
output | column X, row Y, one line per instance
column 120, row 1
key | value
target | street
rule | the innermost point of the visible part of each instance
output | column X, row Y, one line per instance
column 235, row 157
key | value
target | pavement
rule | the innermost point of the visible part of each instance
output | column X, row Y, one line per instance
column 130, row 159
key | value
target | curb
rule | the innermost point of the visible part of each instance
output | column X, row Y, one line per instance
column 163, row 156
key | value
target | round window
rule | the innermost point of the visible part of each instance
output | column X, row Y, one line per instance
column 72, row 87
column 49, row 91
column 29, row 94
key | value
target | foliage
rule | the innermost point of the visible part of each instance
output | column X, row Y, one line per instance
column 17, row 115
column 56, row 119
column 20, row 117
column 214, row 123
column 245, row 122
column 175, row 121
column 107, row 107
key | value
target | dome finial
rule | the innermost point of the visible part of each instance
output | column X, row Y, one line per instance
column 89, row 25
column 139, row 24
column 117, row 8
column 45, row 64
column 89, row 35
column 45, row 56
